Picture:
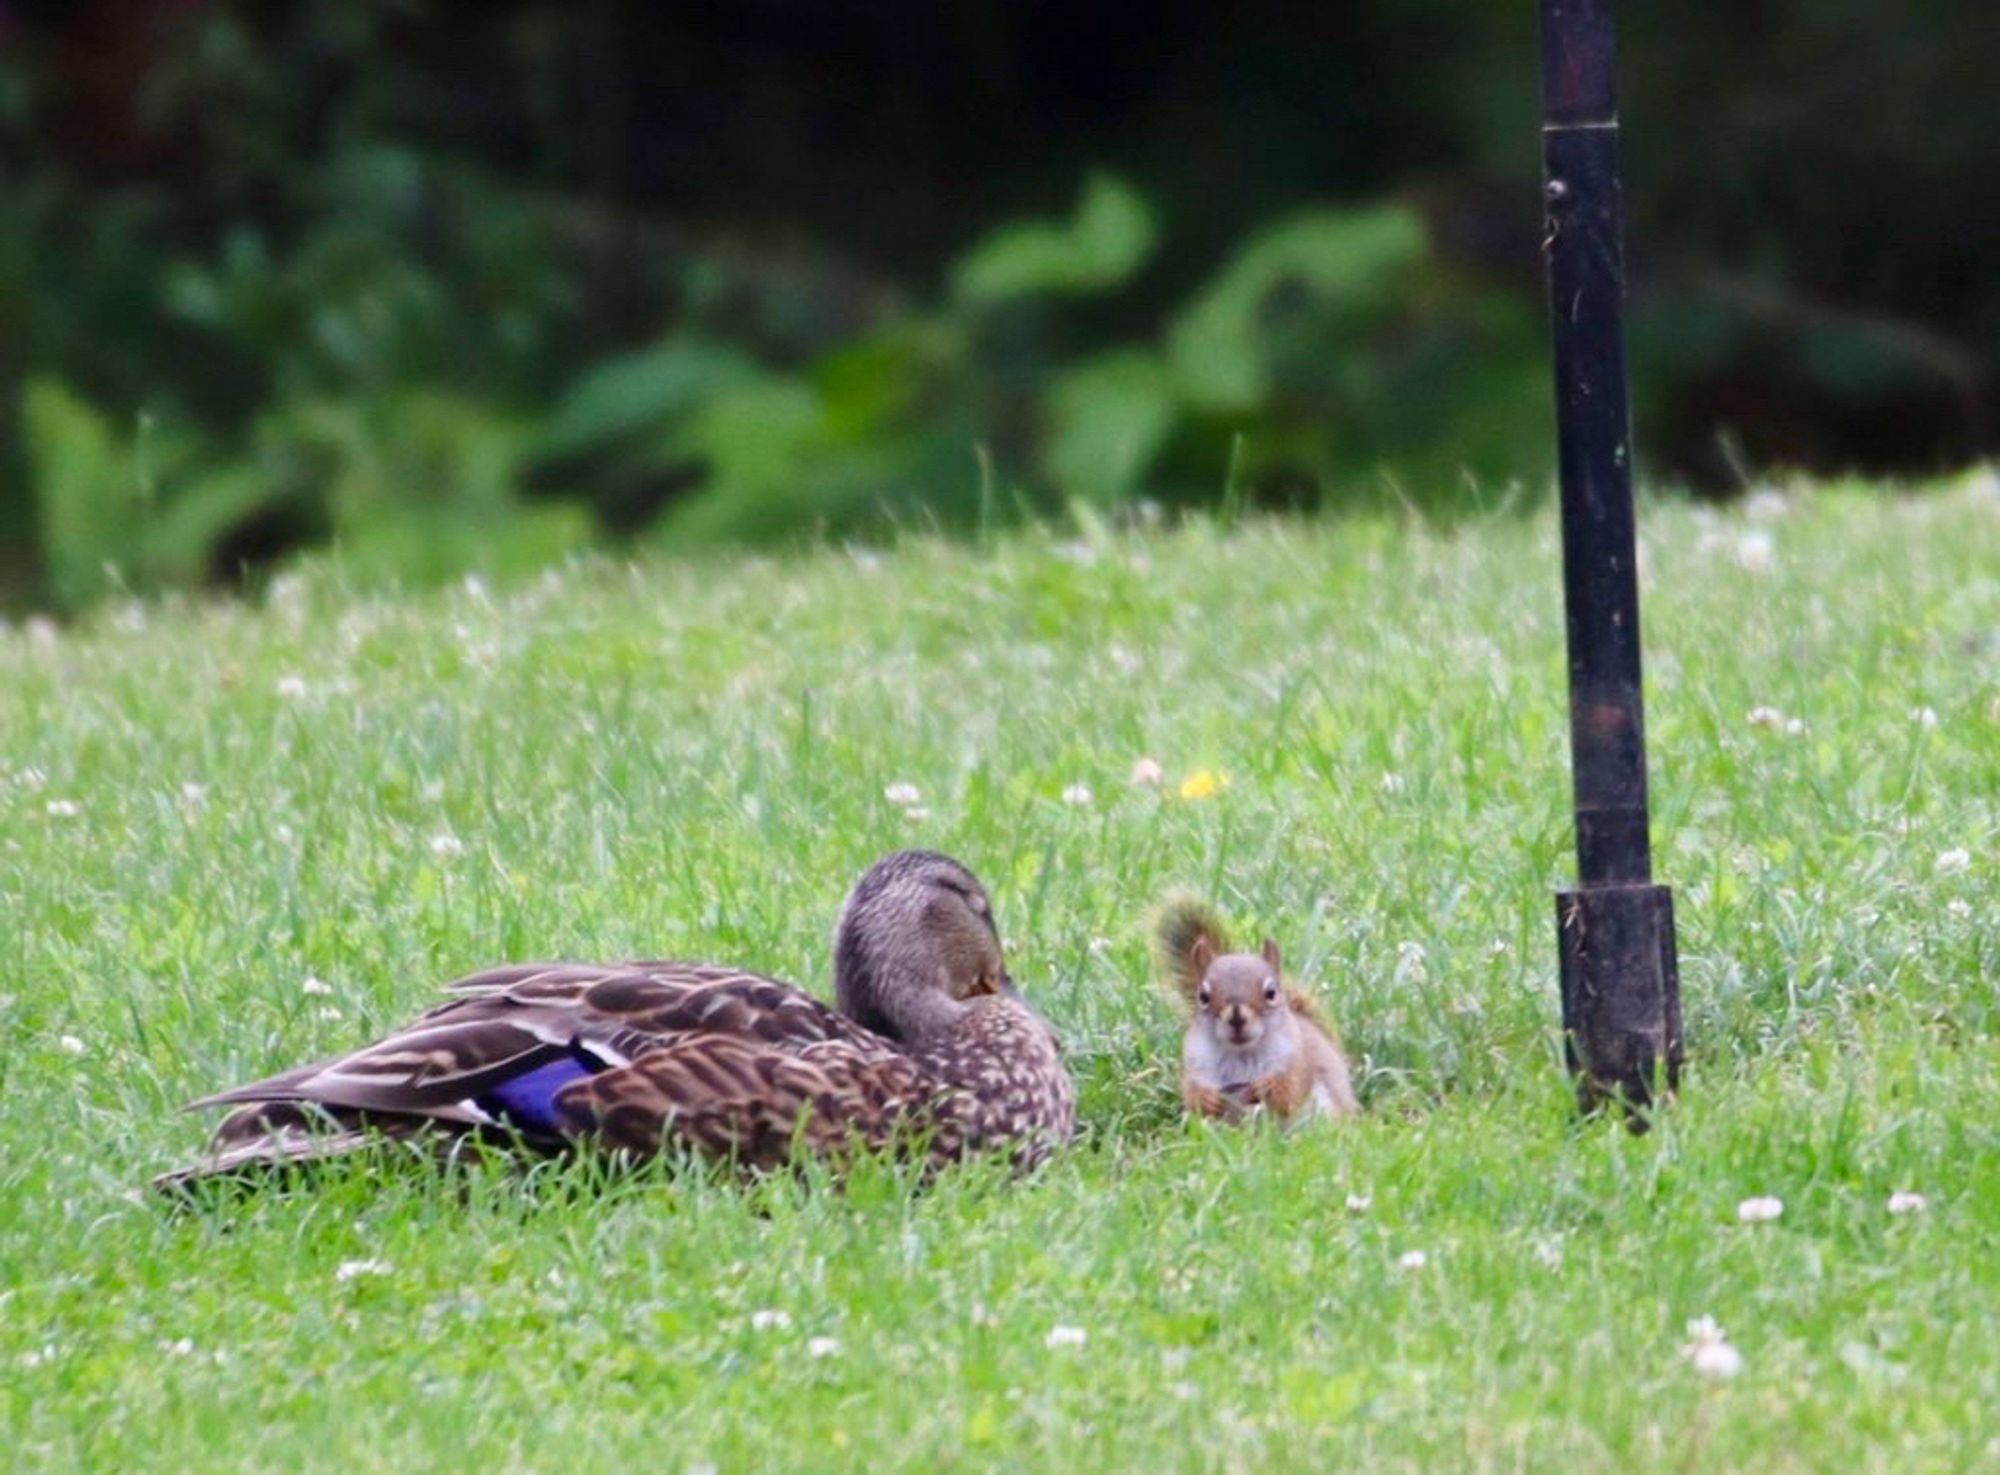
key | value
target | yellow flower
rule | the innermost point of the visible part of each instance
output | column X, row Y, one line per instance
column 1202, row 783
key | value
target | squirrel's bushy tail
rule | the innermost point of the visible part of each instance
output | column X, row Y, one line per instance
column 1178, row 924
column 1181, row 922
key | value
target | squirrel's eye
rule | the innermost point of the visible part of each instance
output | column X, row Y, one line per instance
column 1270, row 990
column 1201, row 996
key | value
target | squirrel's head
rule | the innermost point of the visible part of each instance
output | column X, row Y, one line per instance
column 1241, row 995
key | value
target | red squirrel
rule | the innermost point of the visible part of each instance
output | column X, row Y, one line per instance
column 1254, row 1041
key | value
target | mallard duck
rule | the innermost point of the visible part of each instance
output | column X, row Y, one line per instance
column 929, row 1045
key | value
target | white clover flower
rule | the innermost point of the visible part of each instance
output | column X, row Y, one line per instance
column 1147, row 774
column 1394, row 783
column 822, row 1346
column 1959, row 908
column 315, row 987
column 1768, row 717
column 349, row 1270
column 1924, row 717
column 64, row 808
column 1077, row 794
column 1549, row 1251
column 1360, row 1203
column 330, row 1014
column 1766, row 504
column 1077, row 553
column 769, row 1320
column 902, row 793
column 447, row 846
column 71, row 1045
column 1412, row 1260
column 193, row 794
column 1905, row 1202
column 180, row 1347
column 1710, row 1351
column 1756, row 552
column 916, row 814
column 1760, row 1210
column 1953, row 862
column 1065, row 1336
column 285, row 589
column 1718, row 1360
column 291, row 688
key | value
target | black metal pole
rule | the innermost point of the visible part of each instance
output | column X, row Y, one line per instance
column 1615, row 931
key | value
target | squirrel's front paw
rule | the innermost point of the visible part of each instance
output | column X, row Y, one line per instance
column 1207, row 1101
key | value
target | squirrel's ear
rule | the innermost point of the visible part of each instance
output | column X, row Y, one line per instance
column 1271, row 955
column 1202, row 953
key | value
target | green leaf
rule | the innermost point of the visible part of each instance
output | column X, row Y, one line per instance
column 1344, row 259
column 200, row 515
column 1110, row 416
column 761, row 443
column 85, row 490
column 1109, row 239
column 642, row 391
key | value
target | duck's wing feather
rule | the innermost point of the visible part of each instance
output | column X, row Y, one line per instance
column 426, row 1070
column 658, row 1001
column 759, row 1102
column 505, row 1024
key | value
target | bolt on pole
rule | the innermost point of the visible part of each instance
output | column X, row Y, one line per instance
column 1615, row 931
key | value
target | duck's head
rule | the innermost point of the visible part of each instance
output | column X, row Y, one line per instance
column 916, row 944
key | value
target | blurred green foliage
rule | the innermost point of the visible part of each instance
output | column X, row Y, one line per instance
column 406, row 277
column 1328, row 346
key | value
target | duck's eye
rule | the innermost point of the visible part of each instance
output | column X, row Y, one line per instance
column 1270, row 990
column 1202, row 996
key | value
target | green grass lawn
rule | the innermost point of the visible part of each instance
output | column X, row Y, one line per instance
column 202, row 808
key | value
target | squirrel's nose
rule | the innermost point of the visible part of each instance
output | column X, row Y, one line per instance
column 1236, row 1018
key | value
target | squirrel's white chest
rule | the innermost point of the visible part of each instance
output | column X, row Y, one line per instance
column 1223, row 1068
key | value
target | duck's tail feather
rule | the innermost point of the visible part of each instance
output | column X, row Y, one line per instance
column 272, row 1134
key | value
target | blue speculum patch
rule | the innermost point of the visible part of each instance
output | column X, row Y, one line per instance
column 527, row 1102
